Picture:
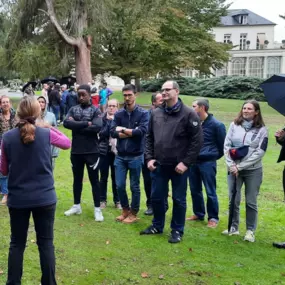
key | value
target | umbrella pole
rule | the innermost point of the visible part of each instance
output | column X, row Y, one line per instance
column 232, row 203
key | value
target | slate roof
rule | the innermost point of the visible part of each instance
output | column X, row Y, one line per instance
column 253, row 19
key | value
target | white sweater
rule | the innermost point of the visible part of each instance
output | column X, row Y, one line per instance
column 256, row 139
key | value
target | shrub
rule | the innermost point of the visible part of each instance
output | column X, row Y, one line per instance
column 231, row 87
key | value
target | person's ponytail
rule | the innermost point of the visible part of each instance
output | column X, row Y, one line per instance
column 28, row 111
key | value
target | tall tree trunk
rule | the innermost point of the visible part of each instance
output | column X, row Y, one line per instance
column 126, row 78
column 82, row 61
column 82, row 45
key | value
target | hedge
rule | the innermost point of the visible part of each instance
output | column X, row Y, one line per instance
column 231, row 87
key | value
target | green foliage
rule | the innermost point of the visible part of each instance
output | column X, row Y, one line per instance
column 231, row 87
column 130, row 38
column 111, row 253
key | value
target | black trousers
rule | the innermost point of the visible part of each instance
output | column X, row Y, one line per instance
column 44, row 221
column 107, row 163
column 147, row 184
column 78, row 163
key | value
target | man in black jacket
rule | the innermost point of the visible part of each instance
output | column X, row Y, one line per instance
column 85, row 122
column 173, row 143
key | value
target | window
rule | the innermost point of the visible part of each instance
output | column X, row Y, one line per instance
column 243, row 19
column 260, row 41
column 256, row 67
column 273, row 65
column 221, row 72
column 186, row 72
column 242, row 42
column 238, row 66
column 227, row 38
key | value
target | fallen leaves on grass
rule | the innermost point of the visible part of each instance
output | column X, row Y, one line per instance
column 33, row 241
column 144, row 275
column 1, row 272
column 107, row 242
column 190, row 249
column 161, row 276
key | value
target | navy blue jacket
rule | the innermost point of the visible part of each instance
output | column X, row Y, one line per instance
column 214, row 137
column 136, row 120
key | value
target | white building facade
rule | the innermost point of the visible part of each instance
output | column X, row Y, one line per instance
column 254, row 51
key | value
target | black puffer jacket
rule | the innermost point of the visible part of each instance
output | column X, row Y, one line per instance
column 104, row 136
column 174, row 137
column 84, row 137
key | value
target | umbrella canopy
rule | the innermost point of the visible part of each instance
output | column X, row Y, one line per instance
column 68, row 80
column 274, row 92
column 48, row 79
column 33, row 84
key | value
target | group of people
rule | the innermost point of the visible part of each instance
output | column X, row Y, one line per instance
column 169, row 142
column 61, row 98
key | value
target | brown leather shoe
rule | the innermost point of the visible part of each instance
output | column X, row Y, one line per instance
column 4, row 200
column 193, row 218
column 125, row 213
column 132, row 218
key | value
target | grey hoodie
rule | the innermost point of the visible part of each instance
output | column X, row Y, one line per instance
column 49, row 118
column 256, row 139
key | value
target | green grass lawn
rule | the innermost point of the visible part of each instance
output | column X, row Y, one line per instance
column 90, row 253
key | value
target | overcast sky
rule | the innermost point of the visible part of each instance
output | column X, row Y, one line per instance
column 269, row 9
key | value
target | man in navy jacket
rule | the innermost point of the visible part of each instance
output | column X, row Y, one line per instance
column 129, row 127
column 206, row 167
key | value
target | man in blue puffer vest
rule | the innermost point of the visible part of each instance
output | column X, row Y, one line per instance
column 204, row 171
column 129, row 127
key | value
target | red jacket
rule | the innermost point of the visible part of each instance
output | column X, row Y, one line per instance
column 95, row 100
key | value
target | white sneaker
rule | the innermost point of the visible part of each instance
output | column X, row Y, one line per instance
column 74, row 210
column 98, row 215
column 249, row 236
column 233, row 232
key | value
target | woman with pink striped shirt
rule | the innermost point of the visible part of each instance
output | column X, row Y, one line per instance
column 26, row 160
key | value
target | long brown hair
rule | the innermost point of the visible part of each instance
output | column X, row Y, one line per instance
column 257, row 120
column 28, row 111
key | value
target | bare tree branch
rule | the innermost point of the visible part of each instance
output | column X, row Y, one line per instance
column 68, row 39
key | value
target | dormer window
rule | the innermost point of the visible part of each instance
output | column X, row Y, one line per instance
column 243, row 19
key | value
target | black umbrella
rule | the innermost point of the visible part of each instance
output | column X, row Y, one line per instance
column 33, row 84
column 274, row 92
column 49, row 79
column 232, row 204
column 68, row 80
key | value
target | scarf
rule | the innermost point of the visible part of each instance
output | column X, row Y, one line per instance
column 174, row 109
column 247, row 125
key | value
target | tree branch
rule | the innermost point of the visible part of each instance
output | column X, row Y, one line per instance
column 51, row 14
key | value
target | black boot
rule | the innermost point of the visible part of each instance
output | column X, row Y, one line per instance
column 149, row 211
column 279, row 244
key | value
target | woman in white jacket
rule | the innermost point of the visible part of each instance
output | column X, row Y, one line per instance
column 245, row 145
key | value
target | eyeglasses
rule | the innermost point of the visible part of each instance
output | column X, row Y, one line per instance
column 112, row 106
column 166, row 89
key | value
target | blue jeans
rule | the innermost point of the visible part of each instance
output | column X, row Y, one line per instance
column 204, row 172
column 55, row 110
column 160, row 179
column 3, row 183
column 134, row 165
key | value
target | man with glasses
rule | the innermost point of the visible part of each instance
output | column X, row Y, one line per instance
column 129, row 128
column 85, row 122
column 173, row 142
